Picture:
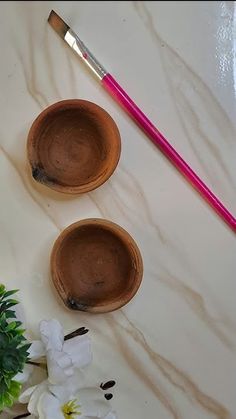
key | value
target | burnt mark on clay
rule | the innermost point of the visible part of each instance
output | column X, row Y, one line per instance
column 39, row 175
column 76, row 305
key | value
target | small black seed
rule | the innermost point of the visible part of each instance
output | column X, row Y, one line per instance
column 108, row 384
column 108, row 396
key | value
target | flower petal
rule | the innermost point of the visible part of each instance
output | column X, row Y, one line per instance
column 95, row 408
column 51, row 334
column 79, row 349
column 25, row 396
column 59, row 366
column 68, row 388
column 93, row 403
column 111, row 415
column 62, row 393
column 62, row 359
column 22, row 377
column 39, row 390
column 49, row 407
column 36, row 350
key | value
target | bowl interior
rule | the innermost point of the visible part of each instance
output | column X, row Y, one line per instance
column 97, row 268
column 74, row 144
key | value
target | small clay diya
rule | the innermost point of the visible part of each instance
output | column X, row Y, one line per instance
column 96, row 266
column 73, row 146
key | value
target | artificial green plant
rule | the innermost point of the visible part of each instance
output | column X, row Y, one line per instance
column 13, row 349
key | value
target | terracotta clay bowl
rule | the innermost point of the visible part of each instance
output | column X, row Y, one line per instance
column 73, row 146
column 96, row 266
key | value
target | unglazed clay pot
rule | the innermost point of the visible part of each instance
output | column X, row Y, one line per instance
column 73, row 146
column 96, row 266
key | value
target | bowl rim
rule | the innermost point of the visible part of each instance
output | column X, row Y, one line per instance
column 32, row 152
column 132, row 247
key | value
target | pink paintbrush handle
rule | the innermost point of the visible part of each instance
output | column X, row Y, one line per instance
column 159, row 140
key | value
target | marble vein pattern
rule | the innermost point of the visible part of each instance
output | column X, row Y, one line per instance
column 172, row 349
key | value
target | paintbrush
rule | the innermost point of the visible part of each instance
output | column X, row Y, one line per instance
column 111, row 85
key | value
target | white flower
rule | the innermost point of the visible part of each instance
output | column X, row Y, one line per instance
column 64, row 395
column 63, row 357
column 69, row 400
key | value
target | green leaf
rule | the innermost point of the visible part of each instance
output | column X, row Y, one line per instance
column 8, row 303
column 2, row 289
column 9, row 293
column 19, row 332
column 10, row 314
column 25, row 347
column 1, row 404
column 10, row 362
column 13, row 349
column 15, row 389
column 7, row 381
column 8, row 400
column 3, row 318
column 3, row 386
column 15, row 341
column 9, row 394
column 4, row 340
column 11, row 326
column 18, row 323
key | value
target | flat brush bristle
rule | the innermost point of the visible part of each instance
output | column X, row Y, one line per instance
column 58, row 24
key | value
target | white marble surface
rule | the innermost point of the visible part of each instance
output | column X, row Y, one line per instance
column 172, row 349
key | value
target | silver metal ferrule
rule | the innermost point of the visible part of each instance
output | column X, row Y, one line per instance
column 78, row 46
